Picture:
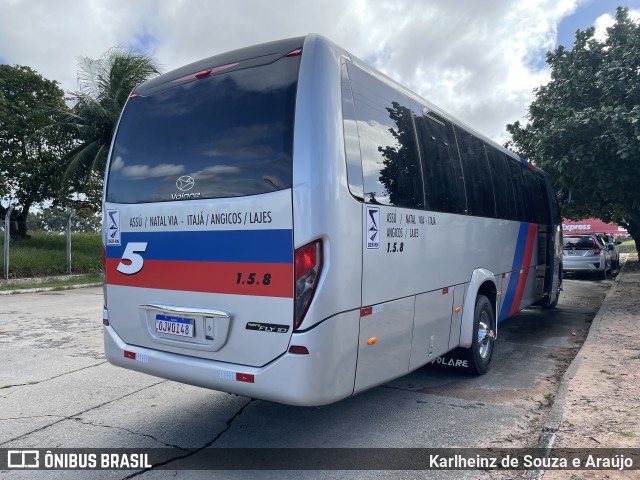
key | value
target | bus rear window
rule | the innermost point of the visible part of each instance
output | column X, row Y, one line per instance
column 225, row 135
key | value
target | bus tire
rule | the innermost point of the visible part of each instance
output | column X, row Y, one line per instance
column 549, row 306
column 481, row 351
column 554, row 304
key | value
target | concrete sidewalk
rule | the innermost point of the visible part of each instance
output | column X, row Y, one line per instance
column 598, row 402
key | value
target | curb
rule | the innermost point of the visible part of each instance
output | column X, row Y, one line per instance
column 547, row 437
column 49, row 289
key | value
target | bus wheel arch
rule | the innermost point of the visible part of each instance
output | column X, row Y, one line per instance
column 483, row 282
column 479, row 321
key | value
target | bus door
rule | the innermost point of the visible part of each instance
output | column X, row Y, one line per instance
column 386, row 319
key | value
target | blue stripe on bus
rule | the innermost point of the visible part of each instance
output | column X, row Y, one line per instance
column 510, row 293
column 251, row 246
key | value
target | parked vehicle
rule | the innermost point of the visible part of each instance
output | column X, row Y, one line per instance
column 612, row 245
column 586, row 253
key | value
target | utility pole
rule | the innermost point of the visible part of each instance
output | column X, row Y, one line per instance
column 69, row 241
column 7, row 234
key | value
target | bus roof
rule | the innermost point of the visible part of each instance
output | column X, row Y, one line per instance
column 250, row 57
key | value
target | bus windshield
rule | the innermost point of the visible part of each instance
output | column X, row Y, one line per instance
column 224, row 135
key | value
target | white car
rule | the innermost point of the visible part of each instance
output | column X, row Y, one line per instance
column 585, row 253
column 612, row 245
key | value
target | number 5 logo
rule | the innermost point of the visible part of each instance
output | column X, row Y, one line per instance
column 131, row 254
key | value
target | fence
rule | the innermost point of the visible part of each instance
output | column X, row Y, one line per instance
column 50, row 253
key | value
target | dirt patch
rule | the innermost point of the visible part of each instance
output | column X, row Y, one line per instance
column 522, row 398
column 603, row 396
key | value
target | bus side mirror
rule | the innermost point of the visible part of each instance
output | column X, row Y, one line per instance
column 564, row 196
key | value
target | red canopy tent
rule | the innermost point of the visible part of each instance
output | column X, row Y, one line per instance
column 591, row 225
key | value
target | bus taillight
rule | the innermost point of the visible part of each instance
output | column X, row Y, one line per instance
column 307, row 266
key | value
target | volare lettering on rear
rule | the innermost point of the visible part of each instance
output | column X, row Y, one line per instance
column 185, row 196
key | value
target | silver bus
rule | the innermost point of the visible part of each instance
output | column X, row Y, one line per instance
column 285, row 222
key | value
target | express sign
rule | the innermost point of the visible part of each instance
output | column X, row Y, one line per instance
column 591, row 225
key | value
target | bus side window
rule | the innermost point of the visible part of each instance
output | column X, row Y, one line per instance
column 351, row 141
column 525, row 213
column 444, row 188
column 477, row 175
column 391, row 168
column 502, row 185
column 538, row 194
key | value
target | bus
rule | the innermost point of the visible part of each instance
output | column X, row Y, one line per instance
column 286, row 223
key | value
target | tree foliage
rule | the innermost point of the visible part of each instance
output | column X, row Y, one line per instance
column 54, row 219
column 584, row 127
column 400, row 168
column 105, row 85
column 29, row 155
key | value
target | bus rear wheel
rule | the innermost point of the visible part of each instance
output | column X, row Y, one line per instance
column 481, row 351
column 554, row 304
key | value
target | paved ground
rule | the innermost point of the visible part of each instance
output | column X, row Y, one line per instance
column 56, row 390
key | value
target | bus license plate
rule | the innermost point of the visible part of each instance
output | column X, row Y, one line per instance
column 169, row 325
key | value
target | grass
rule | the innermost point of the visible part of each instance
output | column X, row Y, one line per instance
column 628, row 246
column 55, row 284
column 44, row 254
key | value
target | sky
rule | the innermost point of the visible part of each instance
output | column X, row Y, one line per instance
column 479, row 60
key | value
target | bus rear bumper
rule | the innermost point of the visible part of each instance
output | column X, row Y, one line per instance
column 323, row 376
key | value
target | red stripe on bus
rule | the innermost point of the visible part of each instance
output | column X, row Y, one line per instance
column 524, row 273
column 236, row 278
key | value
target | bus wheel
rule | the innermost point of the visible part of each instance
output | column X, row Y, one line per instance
column 554, row 304
column 481, row 349
column 551, row 305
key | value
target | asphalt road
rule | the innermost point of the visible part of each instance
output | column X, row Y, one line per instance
column 57, row 391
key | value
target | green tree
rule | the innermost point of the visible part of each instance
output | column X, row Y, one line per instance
column 401, row 173
column 29, row 155
column 55, row 218
column 105, row 85
column 584, row 127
